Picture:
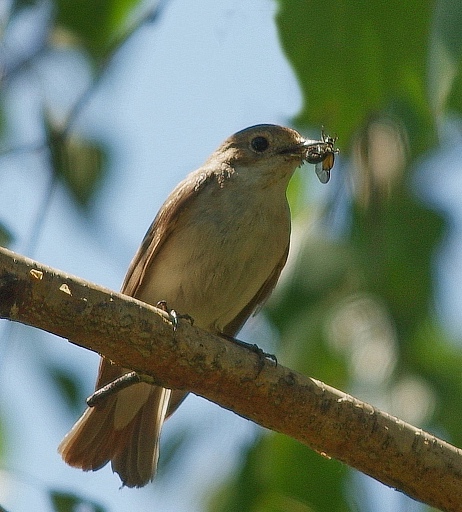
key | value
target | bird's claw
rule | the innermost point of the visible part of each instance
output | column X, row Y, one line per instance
column 262, row 356
column 174, row 316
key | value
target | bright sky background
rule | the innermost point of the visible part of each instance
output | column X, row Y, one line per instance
column 205, row 70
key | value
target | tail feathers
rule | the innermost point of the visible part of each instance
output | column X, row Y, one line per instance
column 101, row 435
column 136, row 464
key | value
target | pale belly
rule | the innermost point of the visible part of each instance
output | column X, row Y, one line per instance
column 212, row 270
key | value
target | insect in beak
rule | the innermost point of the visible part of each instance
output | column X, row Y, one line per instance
column 322, row 154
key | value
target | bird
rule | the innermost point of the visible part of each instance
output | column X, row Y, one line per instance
column 215, row 251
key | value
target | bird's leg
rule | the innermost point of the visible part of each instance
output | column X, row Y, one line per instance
column 262, row 356
column 174, row 315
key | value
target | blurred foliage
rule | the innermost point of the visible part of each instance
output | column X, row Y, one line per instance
column 6, row 236
column 67, row 502
column 445, row 52
column 96, row 30
column 21, row 4
column 79, row 164
column 266, row 484
column 357, row 309
column 68, row 385
column 357, row 58
column 95, row 24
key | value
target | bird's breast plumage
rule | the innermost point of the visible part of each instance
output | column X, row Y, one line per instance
column 228, row 257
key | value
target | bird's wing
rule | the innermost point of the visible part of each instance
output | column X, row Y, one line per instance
column 160, row 230
column 259, row 298
column 158, row 233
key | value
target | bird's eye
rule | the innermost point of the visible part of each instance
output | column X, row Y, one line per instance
column 259, row 144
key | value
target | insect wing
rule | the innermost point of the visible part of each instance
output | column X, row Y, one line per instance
column 322, row 172
column 328, row 161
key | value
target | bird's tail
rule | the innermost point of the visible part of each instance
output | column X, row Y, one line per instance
column 124, row 428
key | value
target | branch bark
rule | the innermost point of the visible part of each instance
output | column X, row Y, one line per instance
column 139, row 336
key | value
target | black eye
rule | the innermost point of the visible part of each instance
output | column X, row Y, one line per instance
column 259, row 144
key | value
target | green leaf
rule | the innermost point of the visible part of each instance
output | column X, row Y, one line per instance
column 68, row 502
column 78, row 163
column 68, row 385
column 445, row 77
column 439, row 360
column 6, row 237
column 17, row 5
column 97, row 23
column 357, row 58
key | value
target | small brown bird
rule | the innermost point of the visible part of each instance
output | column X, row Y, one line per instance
column 215, row 251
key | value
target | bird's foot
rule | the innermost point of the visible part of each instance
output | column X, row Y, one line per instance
column 262, row 356
column 174, row 316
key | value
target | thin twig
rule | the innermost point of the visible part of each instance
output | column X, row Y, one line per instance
column 122, row 382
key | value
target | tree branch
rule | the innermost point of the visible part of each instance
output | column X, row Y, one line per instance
column 138, row 336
